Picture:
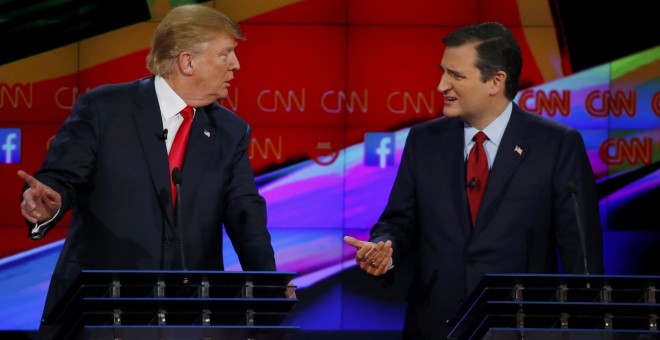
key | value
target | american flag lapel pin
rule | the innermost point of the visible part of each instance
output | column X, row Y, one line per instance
column 207, row 133
column 518, row 150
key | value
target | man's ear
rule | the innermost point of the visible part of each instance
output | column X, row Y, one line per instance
column 498, row 83
column 185, row 62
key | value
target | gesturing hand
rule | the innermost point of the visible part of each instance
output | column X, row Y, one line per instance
column 40, row 202
column 373, row 258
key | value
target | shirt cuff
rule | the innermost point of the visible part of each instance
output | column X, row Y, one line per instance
column 37, row 232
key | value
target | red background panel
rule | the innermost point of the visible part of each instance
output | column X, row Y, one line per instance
column 278, row 62
column 317, row 12
column 412, row 12
column 504, row 11
column 392, row 61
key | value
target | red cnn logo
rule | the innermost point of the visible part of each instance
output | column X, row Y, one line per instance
column 616, row 151
column 601, row 103
column 551, row 103
column 16, row 95
column 271, row 149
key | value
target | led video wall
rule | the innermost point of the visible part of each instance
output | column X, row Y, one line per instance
column 331, row 88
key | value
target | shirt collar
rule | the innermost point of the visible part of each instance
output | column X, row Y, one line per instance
column 494, row 130
column 170, row 103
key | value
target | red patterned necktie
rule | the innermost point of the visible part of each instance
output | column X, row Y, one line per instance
column 178, row 149
column 477, row 174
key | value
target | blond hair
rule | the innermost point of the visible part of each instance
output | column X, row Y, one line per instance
column 182, row 29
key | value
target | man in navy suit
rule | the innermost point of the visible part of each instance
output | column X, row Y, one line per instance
column 526, row 215
column 109, row 164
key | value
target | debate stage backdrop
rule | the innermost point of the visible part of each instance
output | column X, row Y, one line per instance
column 331, row 88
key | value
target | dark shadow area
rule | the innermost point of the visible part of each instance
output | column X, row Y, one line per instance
column 596, row 32
column 32, row 27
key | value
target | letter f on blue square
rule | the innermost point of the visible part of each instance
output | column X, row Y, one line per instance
column 379, row 149
column 10, row 144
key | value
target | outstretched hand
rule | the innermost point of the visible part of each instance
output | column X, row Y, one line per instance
column 373, row 258
column 40, row 202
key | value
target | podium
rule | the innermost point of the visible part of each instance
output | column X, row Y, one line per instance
column 512, row 306
column 175, row 305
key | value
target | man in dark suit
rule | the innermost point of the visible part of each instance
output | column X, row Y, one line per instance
column 526, row 215
column 109, row 164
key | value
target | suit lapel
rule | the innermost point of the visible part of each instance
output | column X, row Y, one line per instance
column 452, row 153
column 512, row 150
column 148, row 124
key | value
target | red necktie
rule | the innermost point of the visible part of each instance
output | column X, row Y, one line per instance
column 178, row 149
column 477, row 174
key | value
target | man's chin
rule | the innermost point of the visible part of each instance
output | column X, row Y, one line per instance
column 451, row 113
column 222, row 95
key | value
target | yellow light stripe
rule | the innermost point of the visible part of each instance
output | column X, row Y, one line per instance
column 540, row 33
column 55, row 63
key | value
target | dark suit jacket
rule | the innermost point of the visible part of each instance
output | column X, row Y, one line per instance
column 526, row 212
column 111, row 168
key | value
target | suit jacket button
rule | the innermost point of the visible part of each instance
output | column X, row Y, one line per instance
column 469, row 261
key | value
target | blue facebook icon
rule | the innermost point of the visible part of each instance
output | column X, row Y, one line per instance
column 379, row 149
column 11, row 145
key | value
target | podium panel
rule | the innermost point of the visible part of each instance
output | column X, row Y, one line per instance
column 185, row 333
column 175, row 305
column 512, row 306
column 575, row 334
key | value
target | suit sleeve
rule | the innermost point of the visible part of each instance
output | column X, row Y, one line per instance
column 398, row 222
column 245, row 217
column 574, row 170
column 70, row 160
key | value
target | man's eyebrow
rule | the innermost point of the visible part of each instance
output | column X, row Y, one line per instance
column 451, row 72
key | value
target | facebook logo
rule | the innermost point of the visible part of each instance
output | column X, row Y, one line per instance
column 379, row 149
column 11, row 146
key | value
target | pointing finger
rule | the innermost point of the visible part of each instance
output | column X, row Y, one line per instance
column 354, row 242
column 31, row 181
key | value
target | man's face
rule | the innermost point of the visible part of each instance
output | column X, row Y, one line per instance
column 466, row 96
column 214, row 68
